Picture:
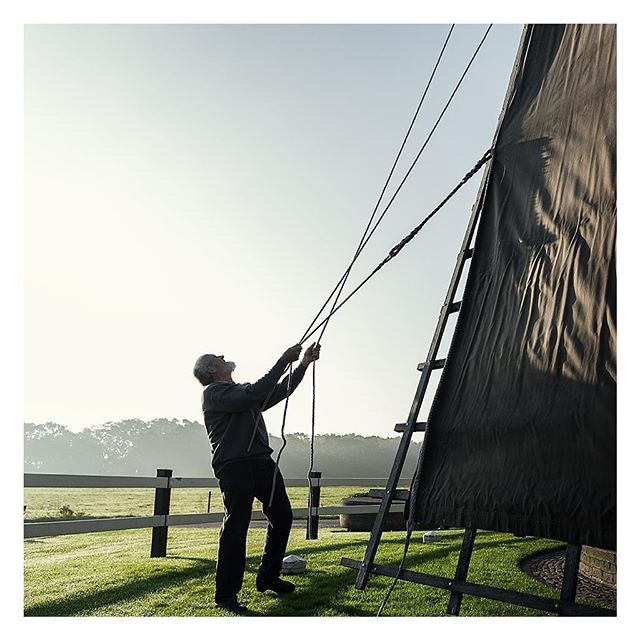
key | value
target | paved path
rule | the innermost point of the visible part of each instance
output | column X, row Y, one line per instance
column 548, row 569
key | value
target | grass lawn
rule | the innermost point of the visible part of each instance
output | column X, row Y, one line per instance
column 110, row 574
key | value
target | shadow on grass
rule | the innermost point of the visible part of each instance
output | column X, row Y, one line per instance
column 439, row 549
column 326, row 588
column 79, row 605
column 212, row 563
column 326, row 591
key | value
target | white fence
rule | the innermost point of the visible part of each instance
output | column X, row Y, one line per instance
column 160, row 522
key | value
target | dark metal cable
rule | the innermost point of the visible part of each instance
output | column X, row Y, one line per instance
column 410, row 236
column 364, row 240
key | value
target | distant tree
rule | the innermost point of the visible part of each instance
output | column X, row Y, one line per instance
column 47, row 447
column 137, row 447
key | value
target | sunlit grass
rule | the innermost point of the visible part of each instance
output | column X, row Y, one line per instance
column 111, row 574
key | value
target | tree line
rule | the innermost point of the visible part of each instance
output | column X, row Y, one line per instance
column 138, row 447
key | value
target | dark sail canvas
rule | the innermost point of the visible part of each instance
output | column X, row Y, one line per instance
column 521, row 436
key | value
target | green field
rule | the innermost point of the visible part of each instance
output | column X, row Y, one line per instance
column 45, row 504
column 111, row 574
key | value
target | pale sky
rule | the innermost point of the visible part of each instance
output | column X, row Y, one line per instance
column 193, row 189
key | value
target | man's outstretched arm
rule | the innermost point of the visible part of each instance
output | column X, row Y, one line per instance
column 241, row 397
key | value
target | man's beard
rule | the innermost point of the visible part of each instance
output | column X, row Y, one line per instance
column 229, row 367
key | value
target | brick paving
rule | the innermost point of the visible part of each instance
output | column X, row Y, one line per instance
column 548, row 569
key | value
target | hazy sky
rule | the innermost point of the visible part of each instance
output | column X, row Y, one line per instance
column 196, row 189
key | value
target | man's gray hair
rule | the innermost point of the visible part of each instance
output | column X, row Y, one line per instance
column 201, row 369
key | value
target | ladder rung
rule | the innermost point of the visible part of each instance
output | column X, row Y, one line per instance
column 455, row 306
column 401, row 426
column 399, row 494
column 437, row 364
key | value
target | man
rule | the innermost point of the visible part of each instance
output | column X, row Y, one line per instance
column 241, row 460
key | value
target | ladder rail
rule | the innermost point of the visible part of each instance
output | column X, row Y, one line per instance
column 465, row 253
column 446, row 310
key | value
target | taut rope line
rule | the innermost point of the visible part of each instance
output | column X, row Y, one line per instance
column 322, row 325
column 365, row 239
column 394, row 252
column 408, row 238
column 413, row 164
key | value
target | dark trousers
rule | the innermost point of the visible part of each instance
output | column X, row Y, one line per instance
column 241, row 482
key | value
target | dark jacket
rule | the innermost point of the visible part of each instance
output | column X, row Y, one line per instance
column 231, row 410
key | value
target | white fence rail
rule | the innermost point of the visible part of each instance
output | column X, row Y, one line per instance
column 160, row 522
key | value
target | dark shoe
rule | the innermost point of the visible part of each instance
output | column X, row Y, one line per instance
column 233, row 606
column 277, row 585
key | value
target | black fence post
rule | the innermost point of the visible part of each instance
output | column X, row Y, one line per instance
column 161, row 508
column 314, row 504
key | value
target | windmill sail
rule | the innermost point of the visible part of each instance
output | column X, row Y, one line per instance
column 521, row 436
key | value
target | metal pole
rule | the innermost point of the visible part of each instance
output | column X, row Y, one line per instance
column 314, row 503
column 161, row 506
column 209, row 503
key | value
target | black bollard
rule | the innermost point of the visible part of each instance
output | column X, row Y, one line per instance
column 314, row 504
column 161, row 508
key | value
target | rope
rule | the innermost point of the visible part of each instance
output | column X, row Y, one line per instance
column 408, row 238
column 313, row 422
column 368, row 234
column 392, row 254
column 407, row 541
column 306, row 335
column 410, row 528
column 413, row 494
column 364, row 240
column 257, row 422
column 284, row 439
column 313, row 436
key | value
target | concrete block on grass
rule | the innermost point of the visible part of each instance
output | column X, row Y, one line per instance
column 430, row 536
column 293, row 564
